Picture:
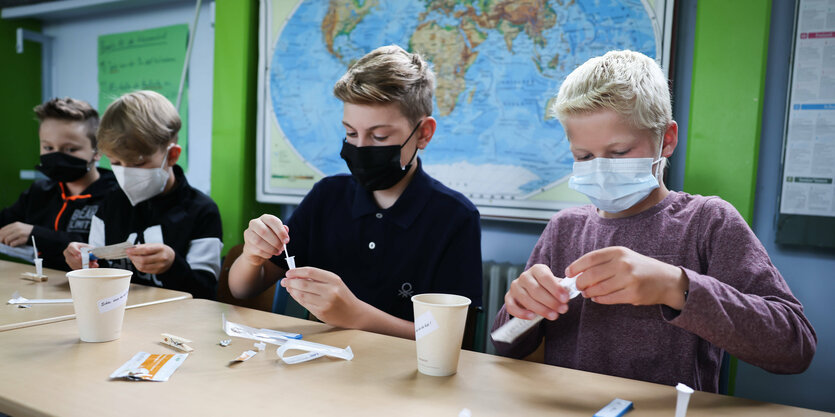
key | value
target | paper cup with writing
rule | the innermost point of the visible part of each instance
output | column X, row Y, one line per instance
column 99, row 296
column 439, row 331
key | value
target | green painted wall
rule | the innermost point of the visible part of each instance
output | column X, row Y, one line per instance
column 234, row 113
column 20, row 92
column 729, row 62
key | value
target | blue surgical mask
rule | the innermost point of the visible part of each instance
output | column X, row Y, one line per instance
column 614, row 185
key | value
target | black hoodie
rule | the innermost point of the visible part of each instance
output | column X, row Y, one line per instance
column 58, row 219
column 185, row 219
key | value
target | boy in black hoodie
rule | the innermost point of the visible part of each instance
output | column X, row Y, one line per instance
column 175, row 227
column 58, row 210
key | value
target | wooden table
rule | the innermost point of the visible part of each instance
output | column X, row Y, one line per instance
column 13, row 317
column 47, row 371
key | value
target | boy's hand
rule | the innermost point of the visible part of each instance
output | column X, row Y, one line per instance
column 72, row 255
column 536, row 292
column 618, row 275
column 151, row 258
column 264, row 238
column 325, row 295
column 15, row 234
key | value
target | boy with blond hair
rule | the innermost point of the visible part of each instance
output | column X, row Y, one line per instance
column 58, row 210
column 367, row 242
column 176, row 228
column 669, row 280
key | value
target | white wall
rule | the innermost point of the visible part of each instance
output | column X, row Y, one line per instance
column 75, row 59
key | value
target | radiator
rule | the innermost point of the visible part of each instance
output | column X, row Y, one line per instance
column 497, row 277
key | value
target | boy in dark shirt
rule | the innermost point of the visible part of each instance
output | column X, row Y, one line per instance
column 367, row 242
column 58, row 210
column 176, row 228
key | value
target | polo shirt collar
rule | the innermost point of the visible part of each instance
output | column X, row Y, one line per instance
column 407, row 207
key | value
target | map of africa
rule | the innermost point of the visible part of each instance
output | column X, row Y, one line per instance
column 497, row 63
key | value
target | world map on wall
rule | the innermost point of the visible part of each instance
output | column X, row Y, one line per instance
column 497, row 63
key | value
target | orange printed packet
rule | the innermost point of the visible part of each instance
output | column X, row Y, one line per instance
column 147, row 367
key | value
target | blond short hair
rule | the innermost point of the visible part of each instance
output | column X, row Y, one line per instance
column 138, row 124
column 629, row 83
column 386, row 75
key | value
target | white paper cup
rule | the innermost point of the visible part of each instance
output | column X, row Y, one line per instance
column 439, row 331
column 99, row 296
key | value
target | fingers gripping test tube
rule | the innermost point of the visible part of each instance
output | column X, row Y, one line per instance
column 516, row 327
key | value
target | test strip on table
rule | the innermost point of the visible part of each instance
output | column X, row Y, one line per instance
column 616, row 408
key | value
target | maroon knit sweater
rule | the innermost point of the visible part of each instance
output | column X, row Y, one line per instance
column 737, row 302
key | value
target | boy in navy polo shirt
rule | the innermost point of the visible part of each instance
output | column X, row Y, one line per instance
column 367, row 242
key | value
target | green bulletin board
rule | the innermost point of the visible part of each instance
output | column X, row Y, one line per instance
column 145, row 60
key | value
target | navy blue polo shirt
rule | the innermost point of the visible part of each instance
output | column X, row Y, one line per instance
column 428, row 241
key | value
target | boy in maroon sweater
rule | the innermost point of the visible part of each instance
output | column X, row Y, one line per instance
column 669, row 280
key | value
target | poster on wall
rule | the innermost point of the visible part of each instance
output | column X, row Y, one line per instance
column 809, row 153
column 149, row 59
column 497, row 68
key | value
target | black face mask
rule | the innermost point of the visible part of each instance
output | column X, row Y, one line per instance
column 62, row 167
column 376, row 167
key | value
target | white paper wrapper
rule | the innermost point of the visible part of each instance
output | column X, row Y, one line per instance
column 243, row 357
column 516, row 327
column 116, row 251
column 273, row 337
column 314, row 350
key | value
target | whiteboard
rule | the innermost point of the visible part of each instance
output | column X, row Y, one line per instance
column 75, row 60
column 293, row 155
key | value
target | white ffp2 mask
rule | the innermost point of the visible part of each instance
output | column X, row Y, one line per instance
column 140, row 184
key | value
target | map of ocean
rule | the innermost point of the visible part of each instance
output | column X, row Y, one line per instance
column 498, row 64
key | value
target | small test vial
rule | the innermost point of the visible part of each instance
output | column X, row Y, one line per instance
column 39, row 266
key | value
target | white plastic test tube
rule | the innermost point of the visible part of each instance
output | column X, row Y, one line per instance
column 291, row 260
column 683, row 399
column 85, row 258
column 38, row 261
column 39, row 266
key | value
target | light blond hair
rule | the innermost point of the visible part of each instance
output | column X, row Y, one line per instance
column 138, row 124
column 386, row 75
column 628, row 83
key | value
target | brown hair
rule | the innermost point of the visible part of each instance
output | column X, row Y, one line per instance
column 138, row 124
column 73, row 110
column 389, row 74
